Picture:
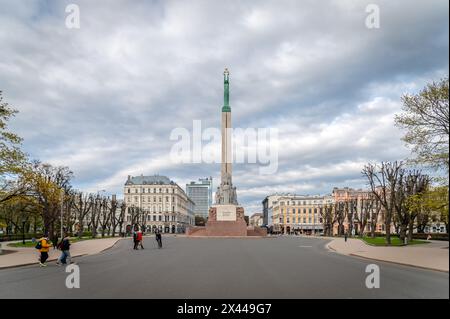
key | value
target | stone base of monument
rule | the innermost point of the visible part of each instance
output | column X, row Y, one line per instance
column 226, row 221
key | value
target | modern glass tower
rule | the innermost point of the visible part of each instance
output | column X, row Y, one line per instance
column 201, row 194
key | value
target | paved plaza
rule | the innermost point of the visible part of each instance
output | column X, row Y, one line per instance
column 282, row 267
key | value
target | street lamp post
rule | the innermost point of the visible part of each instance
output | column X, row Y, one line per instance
column 62, row 209
column 23, row 229
column 314, row 222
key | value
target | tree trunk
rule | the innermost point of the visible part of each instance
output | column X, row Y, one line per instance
column 410, row 230
column 402, row 234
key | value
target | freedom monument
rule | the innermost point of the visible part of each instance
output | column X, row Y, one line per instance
column 226, row 217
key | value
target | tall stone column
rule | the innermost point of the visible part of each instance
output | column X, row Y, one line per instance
column 226, row 193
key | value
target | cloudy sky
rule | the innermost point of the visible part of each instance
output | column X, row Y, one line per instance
column 104, row 98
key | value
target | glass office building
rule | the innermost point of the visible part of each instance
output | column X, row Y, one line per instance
column 201, row 194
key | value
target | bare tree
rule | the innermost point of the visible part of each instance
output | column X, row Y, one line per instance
column 382, row 180
column 375, row 215
column 340, row 214
column 105, row 215
column 351, row 207
column 326, row 212
column 117, row 220
column 95, row 216
column 365, row 210
column 82, row 205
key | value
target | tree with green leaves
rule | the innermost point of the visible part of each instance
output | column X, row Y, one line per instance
column 426, row 120
column 12, row 159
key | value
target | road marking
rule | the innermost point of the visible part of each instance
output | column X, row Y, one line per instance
column 305, row 246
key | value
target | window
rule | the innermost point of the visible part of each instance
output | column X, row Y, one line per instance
column 154, row 218
column 160, row 218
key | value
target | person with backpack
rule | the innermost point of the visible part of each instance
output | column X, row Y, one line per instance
column 140, row 238
column 64, row 246
column 43, row 246
column 158, row 238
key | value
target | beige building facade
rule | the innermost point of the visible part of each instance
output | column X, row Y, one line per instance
column 163, row 203
column 300, row 214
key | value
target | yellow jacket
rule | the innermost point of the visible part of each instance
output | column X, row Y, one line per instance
column 45, row 245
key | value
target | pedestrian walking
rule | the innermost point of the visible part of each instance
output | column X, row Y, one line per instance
column 345, row 236
column 140, row 238
column 64, row 245
column 158, row 238
column 43, row 246
column 135, row 240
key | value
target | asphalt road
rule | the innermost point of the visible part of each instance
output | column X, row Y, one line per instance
column 282, row 267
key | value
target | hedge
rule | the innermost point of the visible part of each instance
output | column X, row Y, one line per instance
column 434, row 236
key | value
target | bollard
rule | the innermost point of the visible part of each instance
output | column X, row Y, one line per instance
column 0, row 248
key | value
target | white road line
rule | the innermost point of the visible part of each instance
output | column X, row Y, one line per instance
column 305, row 246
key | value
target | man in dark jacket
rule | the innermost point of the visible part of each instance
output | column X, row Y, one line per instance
column 64, row 245
column 135, row 239
column 158, row 239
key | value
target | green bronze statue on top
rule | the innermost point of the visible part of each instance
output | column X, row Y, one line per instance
column 226, row 93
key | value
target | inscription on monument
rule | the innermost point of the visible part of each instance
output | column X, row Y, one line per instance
column 226, row 212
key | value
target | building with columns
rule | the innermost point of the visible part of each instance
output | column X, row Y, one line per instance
column 165, row 204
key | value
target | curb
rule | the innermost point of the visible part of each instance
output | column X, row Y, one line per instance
column 399, row 263
column 385, row 261
column 36, row 262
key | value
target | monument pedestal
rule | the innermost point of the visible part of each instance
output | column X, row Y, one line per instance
column 226, row 220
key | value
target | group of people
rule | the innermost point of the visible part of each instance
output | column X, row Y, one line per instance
column 43, row 246
column 138, row 238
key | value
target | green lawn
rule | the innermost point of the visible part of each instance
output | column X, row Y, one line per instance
column 28, row 243
column 395, row 241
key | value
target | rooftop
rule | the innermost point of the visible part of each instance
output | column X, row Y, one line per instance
column 148, row 180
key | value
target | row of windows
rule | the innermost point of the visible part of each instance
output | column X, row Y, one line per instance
column 158, row 218
column 299, row 210
column 149, row 199
column 152, row 190
column 298, row 220
column 305, row 202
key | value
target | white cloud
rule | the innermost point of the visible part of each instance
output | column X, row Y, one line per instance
column 103, row 99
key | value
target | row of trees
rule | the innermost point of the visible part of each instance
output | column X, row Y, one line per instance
column 363, row 212
column 36, row 197
column 42, row 198
column 410, row 199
